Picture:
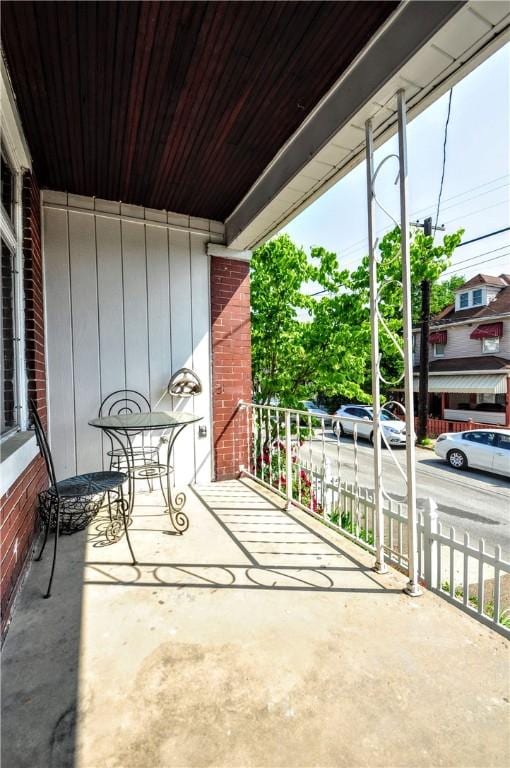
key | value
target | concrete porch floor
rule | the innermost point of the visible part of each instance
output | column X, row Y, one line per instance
column 258, row 638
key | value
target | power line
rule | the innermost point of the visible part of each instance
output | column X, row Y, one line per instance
column 358, row 244
column 479, row 210
column 478, row 259
column 474, row 197
column 466, row 192
column 479, row 255
column 444, row 159
column 455, row 270
column 483, row 237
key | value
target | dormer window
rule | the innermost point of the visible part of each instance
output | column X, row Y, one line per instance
column 477, row 297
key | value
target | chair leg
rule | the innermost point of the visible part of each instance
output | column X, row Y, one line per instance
column 55, row 545
column 162, row 486
column 123, row 504
column 46, row 531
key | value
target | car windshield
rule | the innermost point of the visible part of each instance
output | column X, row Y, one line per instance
column 385, row 415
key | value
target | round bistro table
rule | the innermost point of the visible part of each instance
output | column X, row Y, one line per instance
column 121, row 429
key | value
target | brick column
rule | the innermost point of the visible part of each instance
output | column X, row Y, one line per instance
column 18, row 506
column 231, row 363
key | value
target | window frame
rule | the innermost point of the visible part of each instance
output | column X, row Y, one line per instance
column 471, row 437
column 439, row 354
column 477, row 303
column 461, row 296
column 503, row 439
column 12, row 235
column 490, row 351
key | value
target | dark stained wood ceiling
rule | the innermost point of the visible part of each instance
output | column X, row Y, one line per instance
column 173, row 105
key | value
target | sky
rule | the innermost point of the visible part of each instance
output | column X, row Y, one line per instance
column 476, row 189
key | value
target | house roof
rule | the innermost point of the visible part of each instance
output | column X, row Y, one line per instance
column 499, row 306
column 174, row 105
column 500, row 281
column 478, row 363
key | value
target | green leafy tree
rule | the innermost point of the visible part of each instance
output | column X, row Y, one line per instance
column 304, row 345
column 301, row 344
column 443, row 293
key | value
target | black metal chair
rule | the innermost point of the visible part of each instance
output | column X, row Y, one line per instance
column 145, row 463
column 70, row 505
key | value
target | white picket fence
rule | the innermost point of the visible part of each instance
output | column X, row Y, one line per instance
column 461, row 572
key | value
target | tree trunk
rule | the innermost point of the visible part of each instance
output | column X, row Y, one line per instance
column 423, row 390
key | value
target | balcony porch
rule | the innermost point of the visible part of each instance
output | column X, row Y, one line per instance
column 260, row 637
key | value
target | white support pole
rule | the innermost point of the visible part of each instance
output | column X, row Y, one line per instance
column 288, row 456
column 380, row 565
column 430, row 543
column 413, row 587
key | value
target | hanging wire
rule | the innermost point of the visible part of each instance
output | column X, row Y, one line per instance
column 445, row 140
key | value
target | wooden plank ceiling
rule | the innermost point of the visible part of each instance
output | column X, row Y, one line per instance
column 171, row 105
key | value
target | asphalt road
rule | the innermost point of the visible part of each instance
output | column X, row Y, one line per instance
column 470, row 501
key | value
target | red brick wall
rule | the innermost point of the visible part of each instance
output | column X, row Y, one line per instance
column 231, row 363
column 18, row 506
column 34, row 296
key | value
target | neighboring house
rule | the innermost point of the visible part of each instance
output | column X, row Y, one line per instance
column 469, row 366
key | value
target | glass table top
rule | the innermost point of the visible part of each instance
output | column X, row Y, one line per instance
column 141, row 421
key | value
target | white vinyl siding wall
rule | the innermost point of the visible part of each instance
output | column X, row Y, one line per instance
column 127, row 304
column 460, row 345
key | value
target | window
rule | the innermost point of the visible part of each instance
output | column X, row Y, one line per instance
column 481, row 438
column 490, row 345
column 504, row 442
column 8, row 341
column 463, row 300
column 8, row 183
column 11, row 322
column 414, row 343
column 439, row 350
column 477, row 297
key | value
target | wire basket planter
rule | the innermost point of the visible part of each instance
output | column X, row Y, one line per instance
column 75, row 512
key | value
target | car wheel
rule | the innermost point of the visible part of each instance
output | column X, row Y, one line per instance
column 457, row 459
column 371, row 438
column 338, row 429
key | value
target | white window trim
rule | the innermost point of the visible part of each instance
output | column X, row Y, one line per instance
column 17, row 453
column 18, row 449
column 490, row 351
column 439, row 354
column 12, row 233
column 478, row 303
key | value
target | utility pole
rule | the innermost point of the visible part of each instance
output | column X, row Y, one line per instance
column 423, row 386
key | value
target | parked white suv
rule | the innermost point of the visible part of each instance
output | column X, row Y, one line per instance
column 362, row 416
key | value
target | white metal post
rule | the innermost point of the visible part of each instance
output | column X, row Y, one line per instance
column 288, row 457
column 413, row 587
column 430, row 543
column 380, row 565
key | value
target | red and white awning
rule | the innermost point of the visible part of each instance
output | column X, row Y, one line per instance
column 487, row 331
column 438, row 337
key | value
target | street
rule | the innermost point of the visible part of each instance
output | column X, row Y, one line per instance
column 471, row 501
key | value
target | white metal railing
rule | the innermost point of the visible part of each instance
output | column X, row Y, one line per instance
column 299, row 457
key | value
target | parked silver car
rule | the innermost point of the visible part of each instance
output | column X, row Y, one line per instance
column 361, row 416
column 477, row 448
